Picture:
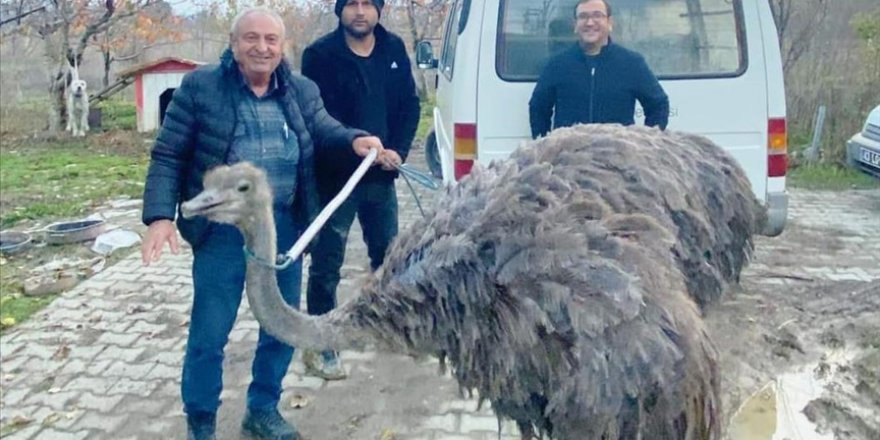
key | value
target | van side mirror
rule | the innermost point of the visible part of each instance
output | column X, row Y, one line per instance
column 425, row 56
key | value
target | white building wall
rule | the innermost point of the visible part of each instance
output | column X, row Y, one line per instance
column 154, row 85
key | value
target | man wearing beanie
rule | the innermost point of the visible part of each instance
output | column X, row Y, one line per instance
column 366, row 82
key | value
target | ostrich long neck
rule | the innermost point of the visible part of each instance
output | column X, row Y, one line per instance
column 273, row 313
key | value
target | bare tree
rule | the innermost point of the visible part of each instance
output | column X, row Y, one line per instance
column 867, row 28
column 128, row 39
column 424, row 20
column 307, row 20
column 797, row 22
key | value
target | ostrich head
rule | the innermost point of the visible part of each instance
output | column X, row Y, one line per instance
column 233, row 195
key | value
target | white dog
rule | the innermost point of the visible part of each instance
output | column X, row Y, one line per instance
column 77, row 106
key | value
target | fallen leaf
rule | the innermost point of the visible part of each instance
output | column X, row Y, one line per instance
column 61, row 353
column 51, row 419
column 20, row 421
column 355, row 421
column 136, row 309
column 387, row 434
column 299, row 401
column 96, row 266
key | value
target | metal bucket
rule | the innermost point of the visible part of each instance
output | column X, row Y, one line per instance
column 12, row 242
column 73, row 232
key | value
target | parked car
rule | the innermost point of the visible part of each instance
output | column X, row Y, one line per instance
column 718, row 61
column 863, row 149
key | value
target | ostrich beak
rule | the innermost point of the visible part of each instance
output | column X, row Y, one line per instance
column 201, row 204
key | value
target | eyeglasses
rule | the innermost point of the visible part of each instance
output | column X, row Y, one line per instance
column 595, row 16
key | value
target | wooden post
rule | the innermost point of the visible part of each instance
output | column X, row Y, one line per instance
column 812, row 153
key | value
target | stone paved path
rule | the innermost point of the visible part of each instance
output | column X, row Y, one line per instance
column 104, row 359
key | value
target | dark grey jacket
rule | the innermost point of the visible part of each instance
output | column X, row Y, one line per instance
column 197, row 134
column 575, row 88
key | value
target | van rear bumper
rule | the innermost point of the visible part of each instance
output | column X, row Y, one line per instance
column 777, row 213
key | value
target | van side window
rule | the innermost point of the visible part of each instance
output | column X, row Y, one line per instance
column 450, row 40
column 678, row 38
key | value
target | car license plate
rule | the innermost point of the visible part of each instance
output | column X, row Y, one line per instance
column 870, row 158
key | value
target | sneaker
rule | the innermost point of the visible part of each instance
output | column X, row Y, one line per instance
column 327, row 365
column 200, row 426
column 267, row 424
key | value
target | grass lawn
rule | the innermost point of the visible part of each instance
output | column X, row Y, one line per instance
column 830, row 176
column 63, row 178
column 50, row 179
column 426, row 122
column 118, row 115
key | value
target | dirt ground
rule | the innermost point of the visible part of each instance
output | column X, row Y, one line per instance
column 763, row 332
column 782, row 319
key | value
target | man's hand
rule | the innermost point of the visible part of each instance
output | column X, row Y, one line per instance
column 390, row 160
column 362, row 146
column 158, row 233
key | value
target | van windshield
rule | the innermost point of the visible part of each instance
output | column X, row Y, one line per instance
column 678, row 38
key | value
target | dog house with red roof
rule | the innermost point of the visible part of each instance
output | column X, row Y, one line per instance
column 154, row 83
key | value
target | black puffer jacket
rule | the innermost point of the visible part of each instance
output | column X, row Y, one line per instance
column 197, row 135
column 331, row 64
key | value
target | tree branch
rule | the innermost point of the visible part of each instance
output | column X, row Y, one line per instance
column 22, row 15
column 140, row 51
column 96, row 27
column 108, row 19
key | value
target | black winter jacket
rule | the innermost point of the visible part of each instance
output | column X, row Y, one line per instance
column 197, row 133
column 332, row 65
column 575, row 88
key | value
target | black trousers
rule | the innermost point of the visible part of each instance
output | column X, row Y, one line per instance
column 375, row 205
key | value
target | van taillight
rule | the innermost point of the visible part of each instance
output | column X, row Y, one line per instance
column 777, row 148
column 465, row 149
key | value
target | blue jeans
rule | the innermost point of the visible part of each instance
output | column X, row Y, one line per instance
column 218, row 280
column 375, row 205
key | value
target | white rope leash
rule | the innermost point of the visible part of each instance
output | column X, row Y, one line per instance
column 283, row 261
column 328, row 210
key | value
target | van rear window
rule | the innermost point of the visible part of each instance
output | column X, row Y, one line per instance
column 678, row 38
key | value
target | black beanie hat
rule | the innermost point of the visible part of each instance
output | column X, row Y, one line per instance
column 340, row 4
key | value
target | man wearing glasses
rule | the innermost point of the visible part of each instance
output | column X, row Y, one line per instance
column 595, row 80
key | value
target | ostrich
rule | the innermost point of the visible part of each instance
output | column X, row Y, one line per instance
column 692, row 187
column 554, row 283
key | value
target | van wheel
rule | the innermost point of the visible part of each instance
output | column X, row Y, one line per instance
column 432, row 156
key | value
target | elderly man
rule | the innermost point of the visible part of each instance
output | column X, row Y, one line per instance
column 250, row 107
column 595, row 80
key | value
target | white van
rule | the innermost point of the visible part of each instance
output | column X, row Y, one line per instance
column 718, row 61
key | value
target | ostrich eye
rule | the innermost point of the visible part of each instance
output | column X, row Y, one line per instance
column 243, row 186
